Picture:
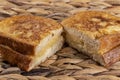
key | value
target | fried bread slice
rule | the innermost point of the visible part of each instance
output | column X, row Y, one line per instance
column 28, row 40
column 95, row 33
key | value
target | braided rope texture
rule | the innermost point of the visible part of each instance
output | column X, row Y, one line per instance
column 66, row 64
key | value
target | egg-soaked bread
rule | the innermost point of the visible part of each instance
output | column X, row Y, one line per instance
column 33, row 36
column 95, row 33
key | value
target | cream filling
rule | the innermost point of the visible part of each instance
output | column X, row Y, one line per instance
column 54, row 45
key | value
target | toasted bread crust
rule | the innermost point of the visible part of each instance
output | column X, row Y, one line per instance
column 14, row 57
column 93, row 23
column 28, row 62
column 109, row 42
column 17, row 45
column 28, row 28
column 23, row 33
column 97, row 25
column 112, row 56
column 95, row 33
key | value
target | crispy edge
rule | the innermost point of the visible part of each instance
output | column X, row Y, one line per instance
column 112, row 56
column 107, row 58
column 108, row 42
column 23, row 46
column 15, row 58
column 86, row 15
column 17, row 45
column 26, row 17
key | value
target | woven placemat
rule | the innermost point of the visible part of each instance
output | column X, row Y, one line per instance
column 66, row 64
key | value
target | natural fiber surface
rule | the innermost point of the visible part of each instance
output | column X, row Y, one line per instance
column 66, row 64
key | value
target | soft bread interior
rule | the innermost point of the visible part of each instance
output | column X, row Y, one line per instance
column 81, row 41
column 47, row 47
column 52, row 47
column 27, row 62
column 53, row 34
column 89, row 46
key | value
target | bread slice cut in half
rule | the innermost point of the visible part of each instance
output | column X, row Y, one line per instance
column 96, row 34
column 28, row 40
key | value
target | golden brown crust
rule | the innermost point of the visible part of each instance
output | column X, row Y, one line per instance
column 28, row 28
column 17, row 45
column 111, row 56
column 94, row 23
column 109, row 42
column 98, row 25
column 99, row 33
column 15, row 58
column 23, row 32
